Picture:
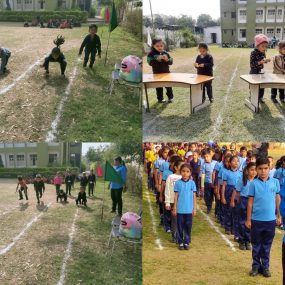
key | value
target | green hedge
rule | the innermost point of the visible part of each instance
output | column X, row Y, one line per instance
column 51, row 171
column 23, row 16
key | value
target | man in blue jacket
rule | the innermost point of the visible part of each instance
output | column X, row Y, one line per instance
column 4, row 55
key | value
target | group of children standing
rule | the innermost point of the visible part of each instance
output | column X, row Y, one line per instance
column 244, row 184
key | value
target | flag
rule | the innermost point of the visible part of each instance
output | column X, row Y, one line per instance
column 107, row 16
column 114, row 20
column 99, row 172
column 149, row 41
column 112, row 175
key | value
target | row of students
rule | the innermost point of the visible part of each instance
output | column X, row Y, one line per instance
column 246, row 194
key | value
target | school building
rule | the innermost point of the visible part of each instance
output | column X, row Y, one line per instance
column 22, row 155
column 44, row 5
column 241, row 20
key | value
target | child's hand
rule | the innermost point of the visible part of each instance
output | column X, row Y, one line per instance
column 160, row 57
column 261, row 62
column 160, row 198
column 168, row 208
column 174, row 212
column 165, row 57
column 202, row 65
column 218, row 196
column 267, row 60
column 233, row 204
column 202, row 190
column 278, row 221
column 248, row 224
column 194, row 212
column 224, row 201
column 196, row 64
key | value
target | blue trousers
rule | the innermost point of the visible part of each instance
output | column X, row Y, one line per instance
column 229, row 218
column 244, row 233
column 209, row 195
column 184, row 226
column 262, row 235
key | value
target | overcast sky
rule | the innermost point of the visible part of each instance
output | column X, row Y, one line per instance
column 86, row 146
column 187, row 7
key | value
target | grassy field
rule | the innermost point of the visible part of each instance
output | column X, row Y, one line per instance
column 30, row 101
column 210, row 259
column 37, row 257
column 227, row 118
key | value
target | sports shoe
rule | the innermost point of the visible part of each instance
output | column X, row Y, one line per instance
column 266, row 273
column 253, row 272
column 248, row 246
column 181, row 246
column 211, row 100
column 242, row 246
column 170, row 101
column 262, row 101
column 161, row 101
column 186, row 246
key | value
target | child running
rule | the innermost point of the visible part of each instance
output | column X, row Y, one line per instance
column 160, row 60
column 204, row 65
column 258, row 59
column 184, row 206
column 263, row 203
column 22, row 187
column 39, row 187
column 92, row 45
column 4, row 56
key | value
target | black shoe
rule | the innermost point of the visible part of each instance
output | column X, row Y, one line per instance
column 262, row 101
column 38, row 202
column 236, row 239
column 227, row 232
column 266, row 273
column 211, row 100
column 170, row 101
column 186, row 246
column 113, row 211
column 248, row 246
column 242, row 246
column 91, row 66
column 253, row 272
column 208, row 211
column 274, row 100
column 181, row 247
column 84, row 64
column 161, row 101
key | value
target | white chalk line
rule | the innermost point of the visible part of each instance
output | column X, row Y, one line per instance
column 153, row 221
column 8, row 211
column 219, row 119
column 22, row 76
column 51, row 135
column 228, row 242
column 68, row 250
column 27, row 227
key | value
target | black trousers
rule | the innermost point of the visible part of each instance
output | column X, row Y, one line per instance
column 274, row 93
column 68, row 188
column 159, row 93
column 92, row 55
column 90, row 189
column 25, row 190
column 57, row 188
column 208, row 87
column 116, row 195
column 39, row 194
column 62, row 63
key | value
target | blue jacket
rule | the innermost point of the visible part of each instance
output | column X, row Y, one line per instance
column 4, row 55
column 122, row 170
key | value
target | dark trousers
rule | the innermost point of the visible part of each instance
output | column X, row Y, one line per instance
column 25, row 190
column 209, row 195
column 57, row 188
column 68, row 188
column 283, row 262
column 196, row 181
column 262, row 235
column 81, row 201
column 261, row 93
column 89, row 54
column 208, row 87
column 184, row 226
column 116, row 195
column 39, row 194
column 90, row 189
column 244, row 233
column 63, row 197
column 159, row 93
column 166, row 219
column 236, row 219
column 221, row 210
column 62, row 63
column 5, row 63
column 229, row 221
column 274, row 93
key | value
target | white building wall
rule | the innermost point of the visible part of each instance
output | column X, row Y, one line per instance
column 208, row 38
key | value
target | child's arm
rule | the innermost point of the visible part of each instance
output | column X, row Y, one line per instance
column 214, row 177
column 195, row 204
column 249, row 212
column 99, row 47
column 223, row 192
column 82, row 46
column 203, row 182
column 175, row 204
column 210, row 63
column 167, row 194
column 278, row 200
column 233, row 198
column 278, row 66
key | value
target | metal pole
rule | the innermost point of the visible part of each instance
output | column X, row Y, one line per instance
column 102, row 214
column 152, row 17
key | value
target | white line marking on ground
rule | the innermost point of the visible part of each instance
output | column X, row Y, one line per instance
column 68, row 250
column 51, row 136
column 29, row 224
column 9, row 211
column 153, row 221
column 228, row 242
column 23, row 75
column 219, row 120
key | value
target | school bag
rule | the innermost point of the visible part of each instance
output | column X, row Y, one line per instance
column 131, row 226
column 131, row 69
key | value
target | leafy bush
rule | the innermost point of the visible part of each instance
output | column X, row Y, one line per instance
column 188, row 40
column 15, row 172
column 23, row 16
column 133, row 22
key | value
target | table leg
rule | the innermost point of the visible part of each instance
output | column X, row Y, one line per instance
column 253, row 102
column 146, row 97
column 197, row 98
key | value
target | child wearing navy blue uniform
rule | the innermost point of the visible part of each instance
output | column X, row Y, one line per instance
column 184, row 206
column 249, row 173
column 263, row 202
column 207, row 185
column 204, row 65
column 160, row 60
column 4, row 56
column 258, row 59
column 230, row 180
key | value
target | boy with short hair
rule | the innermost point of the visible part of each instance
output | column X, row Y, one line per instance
column 263, row 201
column 39, row 187
column 61, row 196
column 91, row 183
column 23, row 188
column 81, row 198
column 68, row 183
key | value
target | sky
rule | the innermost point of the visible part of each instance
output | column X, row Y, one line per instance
column 187, row 7
column 86, row 146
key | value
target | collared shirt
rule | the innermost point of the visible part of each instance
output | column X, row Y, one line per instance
column 243, row 189
column 242, row 163
column 186, row 190
column 232, row 177
column 122, row 171
column 208, row 168
column 280, row 175
column 264, row 193
column 166, row 173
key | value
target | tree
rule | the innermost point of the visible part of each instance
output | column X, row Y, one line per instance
column 95, row 155
column 158, row 21
column 186, row 22
column 147, row 21
column 205, row 20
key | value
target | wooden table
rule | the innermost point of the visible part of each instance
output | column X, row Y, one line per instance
column 259, row 81
column 185, row 80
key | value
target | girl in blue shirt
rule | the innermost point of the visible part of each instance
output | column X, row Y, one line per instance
column 280, row 171
column 184, row 206
column 241, row 193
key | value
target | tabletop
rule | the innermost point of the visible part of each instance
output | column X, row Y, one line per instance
column 264, row 78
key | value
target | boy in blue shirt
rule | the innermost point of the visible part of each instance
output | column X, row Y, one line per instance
column 263, row 201
column 4, row 56
column 207, row 180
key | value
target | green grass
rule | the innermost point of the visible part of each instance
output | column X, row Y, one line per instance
column 237, row 121
column 209, row 260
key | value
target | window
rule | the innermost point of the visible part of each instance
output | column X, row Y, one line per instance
column 52, row 158
column 242, row 12
column 242, row 33
column 233, row 15
column 33, row 159
column 278, row 30
column 232, row 32
column 11, row 157
column 225, row 14
column 20, row 157
column 258, row 31
column 271, row 12
column 259, row 12
column 279, row 12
